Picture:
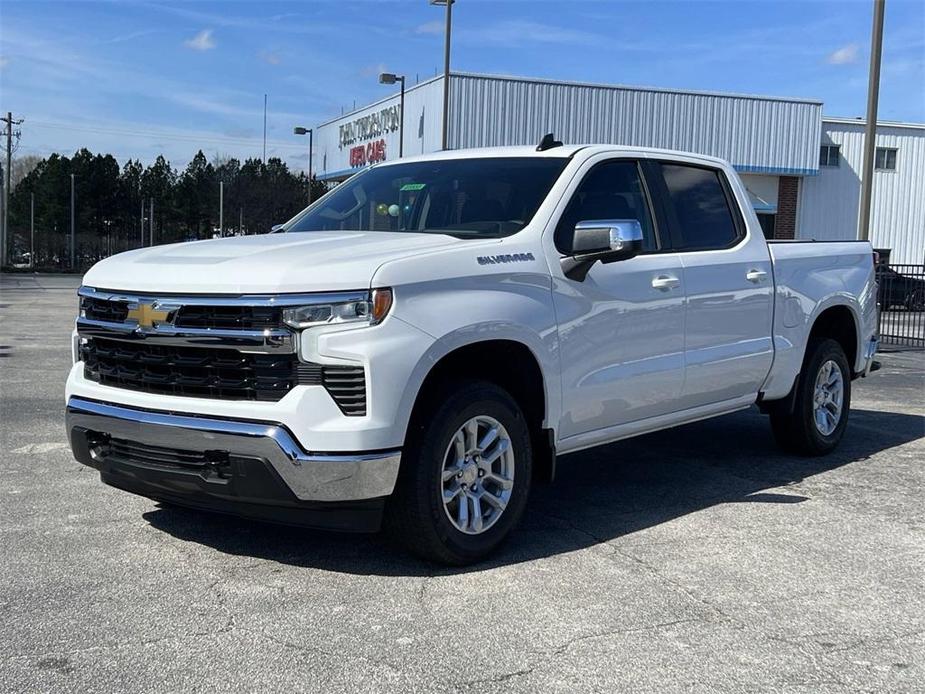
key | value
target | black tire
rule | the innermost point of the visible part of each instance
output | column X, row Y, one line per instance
column 796, row 432
column 415, row 515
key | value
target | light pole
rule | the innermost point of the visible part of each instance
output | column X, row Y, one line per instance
column 299, row 130
column 389, row 78
column 870, row 134
column 221, row 209
column 446, row 65
column 73, row 240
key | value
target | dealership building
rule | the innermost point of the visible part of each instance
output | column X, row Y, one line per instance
column 802, row 169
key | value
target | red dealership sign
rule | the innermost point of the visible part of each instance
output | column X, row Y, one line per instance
column 370, row 153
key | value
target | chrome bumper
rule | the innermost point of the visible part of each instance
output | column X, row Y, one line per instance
column 310, row 477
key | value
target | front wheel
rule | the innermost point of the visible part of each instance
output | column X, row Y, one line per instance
column 823, row 398
column 465, row 475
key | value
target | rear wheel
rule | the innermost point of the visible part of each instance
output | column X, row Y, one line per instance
column 823, row 398
column 465, row 475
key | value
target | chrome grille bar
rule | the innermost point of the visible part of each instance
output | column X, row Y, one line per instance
column 266, row 341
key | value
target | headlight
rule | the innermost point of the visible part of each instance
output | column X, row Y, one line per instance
column 370, row 310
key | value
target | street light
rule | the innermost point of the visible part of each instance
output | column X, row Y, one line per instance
column 446, row 64
column 299, row 130
column 73, row 232
column 389, row 78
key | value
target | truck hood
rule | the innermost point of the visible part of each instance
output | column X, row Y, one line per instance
column 269, row 264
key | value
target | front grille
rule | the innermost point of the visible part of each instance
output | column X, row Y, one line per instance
column 162, row 456
column 221, row 317
column 230, row 317
column 104, row 310
column 222, row 374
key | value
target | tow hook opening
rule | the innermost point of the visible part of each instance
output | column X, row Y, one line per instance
column 219, row 462
column 98, row 444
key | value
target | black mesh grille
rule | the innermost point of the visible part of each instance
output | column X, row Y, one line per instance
column 101, row 309
column 229, row 317
column 225, row 317
column 223, row 374
column 133, row 451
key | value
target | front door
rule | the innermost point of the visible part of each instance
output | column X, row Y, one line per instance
column 621, row 329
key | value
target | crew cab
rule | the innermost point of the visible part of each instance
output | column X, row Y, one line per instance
column 415, row 348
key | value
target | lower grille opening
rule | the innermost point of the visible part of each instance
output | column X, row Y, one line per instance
column 220, row 374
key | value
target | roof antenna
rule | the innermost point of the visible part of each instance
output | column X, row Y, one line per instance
column 548, row 142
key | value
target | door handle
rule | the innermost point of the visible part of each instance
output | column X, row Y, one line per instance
column 756, row 276
column 665, row 282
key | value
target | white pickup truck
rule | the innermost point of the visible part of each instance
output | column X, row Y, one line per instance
column 415, row 348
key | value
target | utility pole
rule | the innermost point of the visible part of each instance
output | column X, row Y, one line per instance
column 221, row 208
column 240, row 221
column 4, row 236
column 73, row 229
column 151, row 224
column 870, row 133
column 141, row 226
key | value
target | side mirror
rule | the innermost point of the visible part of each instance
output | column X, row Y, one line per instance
column 276, row 228
column 607, row 240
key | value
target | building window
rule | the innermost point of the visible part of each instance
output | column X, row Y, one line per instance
column 885, row 160
column 828, row 155
column 767, row 224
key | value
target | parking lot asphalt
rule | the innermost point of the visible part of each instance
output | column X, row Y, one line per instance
column 696, row 559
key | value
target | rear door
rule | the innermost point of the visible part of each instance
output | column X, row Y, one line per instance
column 727, row 281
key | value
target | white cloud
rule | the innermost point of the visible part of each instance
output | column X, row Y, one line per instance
column 269, row 57
column 844, row 55
column 201, row 42
column 435, row 27
column 4, row 61
column 373, row 70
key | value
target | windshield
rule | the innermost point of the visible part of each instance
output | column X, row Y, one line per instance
column 468, row 198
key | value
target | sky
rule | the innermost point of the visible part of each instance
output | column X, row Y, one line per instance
column 137, row 79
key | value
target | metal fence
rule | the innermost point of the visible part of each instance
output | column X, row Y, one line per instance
column 901, row 295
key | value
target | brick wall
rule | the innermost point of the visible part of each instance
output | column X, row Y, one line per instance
column 785, row 226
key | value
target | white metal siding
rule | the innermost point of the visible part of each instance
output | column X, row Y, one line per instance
column 421, row 100
column 757, row 134
column 829, row 202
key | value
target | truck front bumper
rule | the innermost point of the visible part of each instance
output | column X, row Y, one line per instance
column 251, row 469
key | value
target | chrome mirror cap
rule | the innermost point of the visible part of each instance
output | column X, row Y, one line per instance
column 601, row 235
column 607, row 240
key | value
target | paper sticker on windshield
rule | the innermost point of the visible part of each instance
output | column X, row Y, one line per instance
column 414, row 186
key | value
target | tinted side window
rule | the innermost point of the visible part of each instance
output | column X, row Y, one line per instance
column 612, row 190
column 701, row 207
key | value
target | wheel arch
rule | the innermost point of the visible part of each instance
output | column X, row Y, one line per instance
column 511, row 364
column 839, row 322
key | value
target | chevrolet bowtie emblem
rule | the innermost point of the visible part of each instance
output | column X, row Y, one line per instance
column 147, row 315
